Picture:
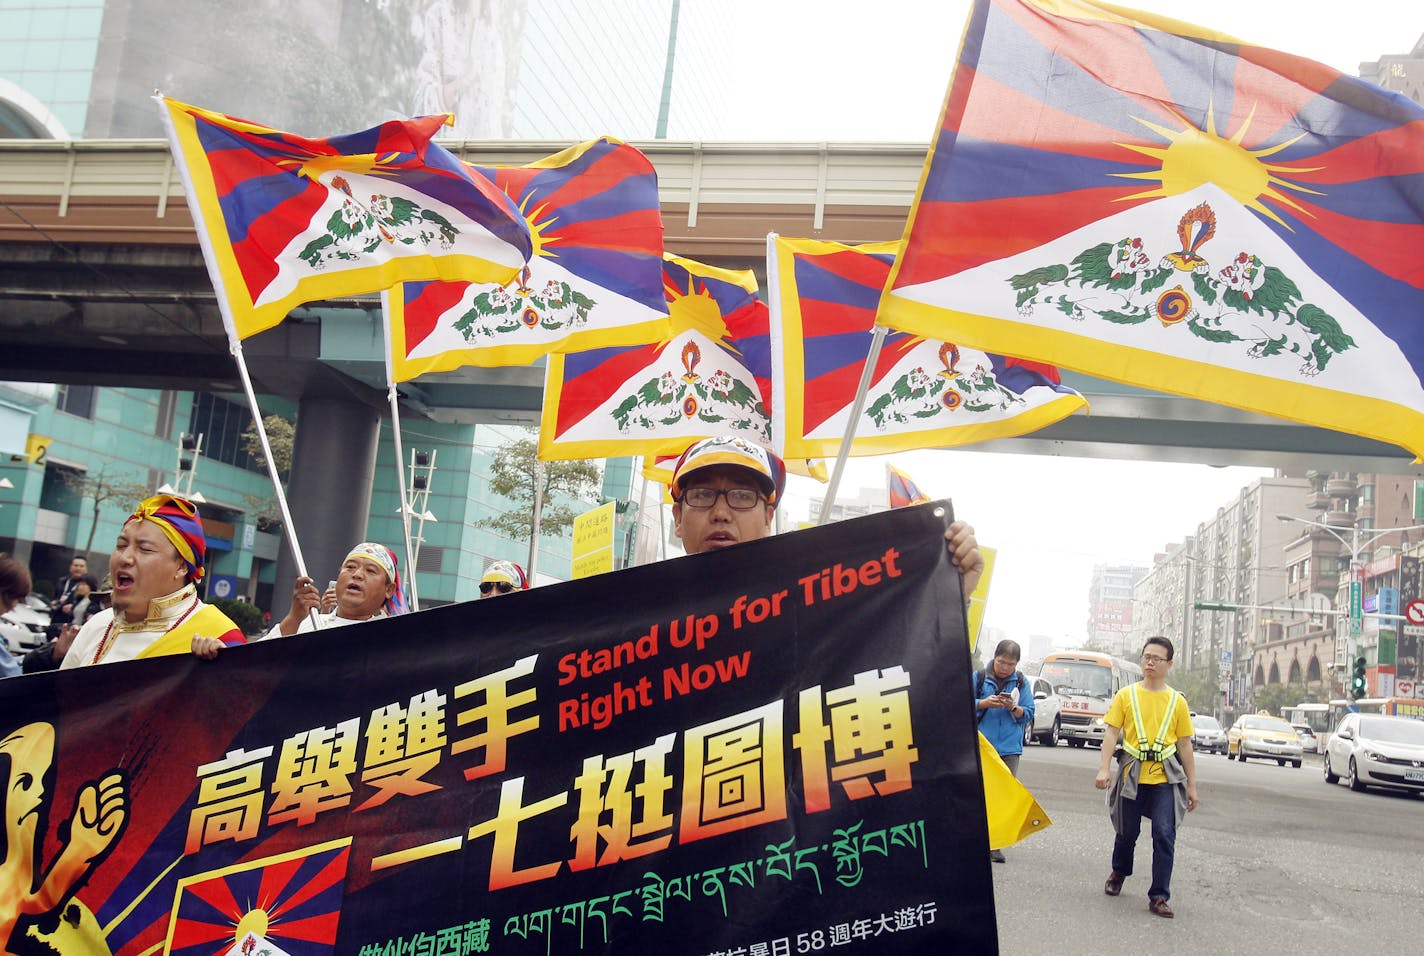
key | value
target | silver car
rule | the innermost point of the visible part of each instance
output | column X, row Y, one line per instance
column 1207, row 735
column 1372, row 750
column 1046, row 724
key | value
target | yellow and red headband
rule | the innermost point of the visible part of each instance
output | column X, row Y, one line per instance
column 181, row 524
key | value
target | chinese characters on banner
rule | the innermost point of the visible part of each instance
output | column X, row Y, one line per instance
column 768, row 749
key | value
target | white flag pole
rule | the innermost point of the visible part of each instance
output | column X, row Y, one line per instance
column 410, row 584
column 536, row 518
column 858, row 406
column 234, row 341
column 776, row 336
column 412, row 588
column 638, row 532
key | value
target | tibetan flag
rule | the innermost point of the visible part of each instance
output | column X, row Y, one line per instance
column 903, row 490
column 595, row 278
column 291, row 903
column 1159, row 204
column 285, row 220
column 710, row 376
column 924, row 393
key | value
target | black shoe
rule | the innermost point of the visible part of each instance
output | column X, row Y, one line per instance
column 996, row 856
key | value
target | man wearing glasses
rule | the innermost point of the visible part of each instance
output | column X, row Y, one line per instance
column 503, row 577
column 725, row 491
column 1157, row 772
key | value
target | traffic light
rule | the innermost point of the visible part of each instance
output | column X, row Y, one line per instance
column 1357, row 682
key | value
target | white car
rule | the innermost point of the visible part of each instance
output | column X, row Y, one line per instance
column 23, row 627
column 1373, row 750
column 1046, row 722
column 1308, row 741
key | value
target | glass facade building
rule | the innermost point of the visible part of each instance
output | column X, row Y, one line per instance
column 561, row 70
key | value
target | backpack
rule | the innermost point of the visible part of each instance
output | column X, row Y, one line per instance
column 1015, row 682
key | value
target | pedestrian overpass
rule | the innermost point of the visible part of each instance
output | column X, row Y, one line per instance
column 102, row 282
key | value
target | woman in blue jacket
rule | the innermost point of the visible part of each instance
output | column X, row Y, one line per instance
column 1003, row 704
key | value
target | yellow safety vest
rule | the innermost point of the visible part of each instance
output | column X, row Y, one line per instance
column 1159, row 751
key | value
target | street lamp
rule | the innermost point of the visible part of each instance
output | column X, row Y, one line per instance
column 1355, row 547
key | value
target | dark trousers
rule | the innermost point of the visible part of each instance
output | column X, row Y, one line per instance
column 1155, row 803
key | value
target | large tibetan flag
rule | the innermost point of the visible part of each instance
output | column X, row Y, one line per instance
column 923, row 393
column 285, row 220
column 595, row 278
column 1159, row 204
column 710, row 376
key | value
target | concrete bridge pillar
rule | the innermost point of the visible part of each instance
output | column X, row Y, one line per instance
column 329, row 493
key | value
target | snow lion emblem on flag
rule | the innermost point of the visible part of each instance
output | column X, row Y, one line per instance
column 1246, row 303
column 919, row 395
column 357, row 229
column 558, row 306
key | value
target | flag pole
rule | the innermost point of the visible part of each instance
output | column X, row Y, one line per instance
column 412, row 586
column 538, row 513
column 662, row 528
column 235, row 347
column 638, row 533
column 412, row 589
column 233, row 339
column 858, row 406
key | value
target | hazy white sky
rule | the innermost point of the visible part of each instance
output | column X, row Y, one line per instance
column 842, row 71
column 846, row 70
column 1052, row 519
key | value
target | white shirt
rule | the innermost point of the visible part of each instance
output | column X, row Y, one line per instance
column 103, row 640
column 323, row 621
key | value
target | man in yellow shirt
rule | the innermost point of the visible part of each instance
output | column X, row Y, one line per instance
column 1157, row 772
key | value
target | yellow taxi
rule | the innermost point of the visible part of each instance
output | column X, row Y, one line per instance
column 1261, row 735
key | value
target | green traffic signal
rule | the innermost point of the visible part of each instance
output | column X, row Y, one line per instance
column 1357, row 682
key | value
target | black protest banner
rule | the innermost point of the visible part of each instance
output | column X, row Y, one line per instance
column 768, row 749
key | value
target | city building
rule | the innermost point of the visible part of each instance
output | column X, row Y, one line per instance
column 1260, row 596
column 93, row 451
column 1110, row 606
column 518, row 69
column 1370, row 523
column 1237, row 558
column 1402, row 72
column 1037, row 647
column 1162, row 600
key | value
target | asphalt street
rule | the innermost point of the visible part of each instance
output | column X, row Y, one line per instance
column 1274, row 860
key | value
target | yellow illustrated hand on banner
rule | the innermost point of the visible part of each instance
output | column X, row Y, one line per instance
column 100, row 813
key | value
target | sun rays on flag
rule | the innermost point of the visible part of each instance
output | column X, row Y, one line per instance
column 1194, row 157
